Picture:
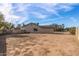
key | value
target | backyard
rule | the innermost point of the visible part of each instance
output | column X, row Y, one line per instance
column 34, row 44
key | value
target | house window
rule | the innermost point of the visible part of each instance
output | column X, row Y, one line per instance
column 35, row 29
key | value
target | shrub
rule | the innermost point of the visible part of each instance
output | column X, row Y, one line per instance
column 72, row 30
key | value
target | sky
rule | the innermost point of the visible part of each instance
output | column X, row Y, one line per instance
column 42, row 13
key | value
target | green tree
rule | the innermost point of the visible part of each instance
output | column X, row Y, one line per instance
column 1, row 17
column 1, row 21
column 72, row 30
column 8, row 25
column 4, row 25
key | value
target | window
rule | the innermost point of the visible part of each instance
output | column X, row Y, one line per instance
column 35, row 29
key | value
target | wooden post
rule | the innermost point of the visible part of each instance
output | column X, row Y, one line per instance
column 77, row 33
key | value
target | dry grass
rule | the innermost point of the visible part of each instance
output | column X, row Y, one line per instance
column 42, row 45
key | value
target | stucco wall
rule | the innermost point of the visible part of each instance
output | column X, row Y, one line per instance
column 77, row 33
column 30, row 28
column 42, row 30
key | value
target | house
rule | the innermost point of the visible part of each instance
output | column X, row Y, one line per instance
column 35, row 28
column 16, row 30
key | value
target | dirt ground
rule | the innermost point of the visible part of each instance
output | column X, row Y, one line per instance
column 41, row 45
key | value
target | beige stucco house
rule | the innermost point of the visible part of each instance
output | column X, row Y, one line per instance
column 35, row 28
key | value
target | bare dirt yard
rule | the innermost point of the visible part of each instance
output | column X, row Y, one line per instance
column 41, row 45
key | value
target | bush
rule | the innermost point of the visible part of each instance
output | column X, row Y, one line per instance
column 72, row 30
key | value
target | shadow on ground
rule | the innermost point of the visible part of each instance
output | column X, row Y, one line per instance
column 2, row 46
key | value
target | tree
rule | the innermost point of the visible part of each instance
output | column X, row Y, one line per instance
column 61, row 27
column 4, row 25
column 19, row 26
column 1, row 17
column 72, row 30
column 8, row 25
column 55, row 26
column 1, row 22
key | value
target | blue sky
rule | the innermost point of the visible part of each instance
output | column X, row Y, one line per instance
column 42, row 13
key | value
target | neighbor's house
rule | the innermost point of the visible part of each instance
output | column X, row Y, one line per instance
column 35, row 28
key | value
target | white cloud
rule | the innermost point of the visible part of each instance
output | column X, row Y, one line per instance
column 53, row 8
column 13, row 16
column 23, row 9
column 6, row 10
column 39, row 15
column 73, row 19
column 20, row 7
column 50, row 8
column 65, row 7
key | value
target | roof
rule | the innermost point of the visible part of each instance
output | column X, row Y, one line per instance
column 44, row 26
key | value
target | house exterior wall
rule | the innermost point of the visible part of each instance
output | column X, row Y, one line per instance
column 30, row 28
column 42, row 30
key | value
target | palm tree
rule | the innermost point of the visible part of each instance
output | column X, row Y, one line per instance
column 4, row 25
column 8, row 25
